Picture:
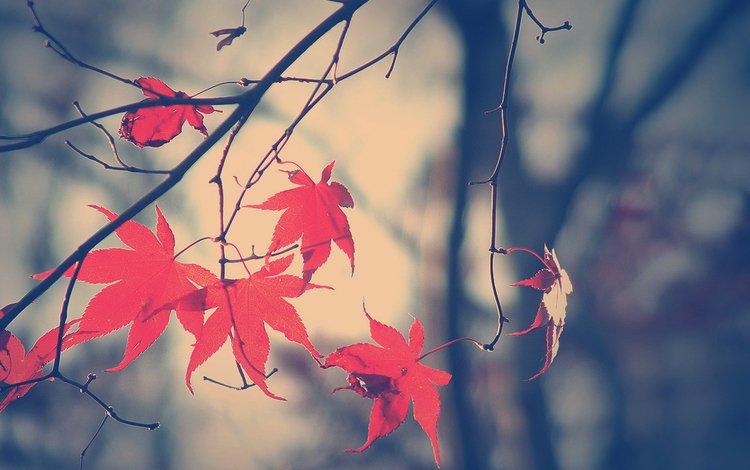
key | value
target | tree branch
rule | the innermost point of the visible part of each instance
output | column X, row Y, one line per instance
column 247, row 104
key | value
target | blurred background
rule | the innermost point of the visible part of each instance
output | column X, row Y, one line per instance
column 628, row 154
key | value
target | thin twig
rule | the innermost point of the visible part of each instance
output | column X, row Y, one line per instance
column 245, row 384
column 107, row 166
column 243, row 12
column 85, row 389
column 337, row 52
column 253, row 256
column 220, row 189
column 565, row 26
column 111, row 140
column 106, row 133
column 57, row 47
column 242, row 374
column 109, row 409
column 96, row 434
column 393, row 49
column 250, row 81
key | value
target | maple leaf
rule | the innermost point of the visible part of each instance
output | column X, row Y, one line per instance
column 232, row 34
column 142, row 281
column 392, row 375
column 243, row 308
column 312, row 212
column 556, row 285
column 155, row 126
column 16, row 366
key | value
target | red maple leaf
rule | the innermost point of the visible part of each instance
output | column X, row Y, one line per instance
column 556, row 285
column 155, row 126
column 243, row 308
column 392, row 375
column 312, row 212
column 16, row 366
column 142, row 281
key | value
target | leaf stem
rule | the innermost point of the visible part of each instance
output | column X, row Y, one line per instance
column 511, row 250
column 192, row 244
column 450, row 343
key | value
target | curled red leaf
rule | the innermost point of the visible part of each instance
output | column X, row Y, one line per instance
column 157, row 125
column 555, row 284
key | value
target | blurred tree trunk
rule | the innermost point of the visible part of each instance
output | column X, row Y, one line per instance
column 482, row 38
column 605, row 159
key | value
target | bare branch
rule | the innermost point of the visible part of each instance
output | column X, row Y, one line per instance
column 493, row 180
column 248, row 81
column 57, row 47
column 393, row 49
column 220, row 189
column 85, row 389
